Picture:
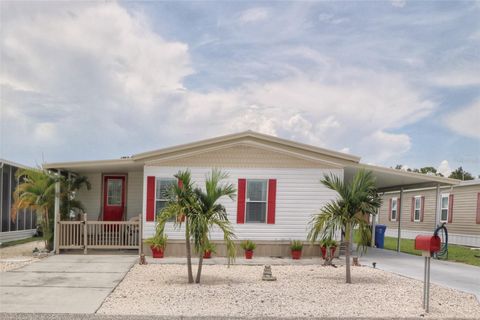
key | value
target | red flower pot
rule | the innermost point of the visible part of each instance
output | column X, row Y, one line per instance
column 248, row 254
column 332, row 251
column 296, row 254
column 324, row 252
column 207, row 254
column 157, row 252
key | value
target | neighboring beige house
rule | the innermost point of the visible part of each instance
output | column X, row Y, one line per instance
column 278, row 183
column 458, row 206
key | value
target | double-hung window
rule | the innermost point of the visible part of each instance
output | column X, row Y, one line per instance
column 417, row 208
column 256, row 201
column 161, row 194
column 393, row 212
column 444, row 208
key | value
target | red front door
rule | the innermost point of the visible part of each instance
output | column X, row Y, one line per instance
column 113, row 197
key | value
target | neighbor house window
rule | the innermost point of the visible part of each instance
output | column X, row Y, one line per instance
column 393, row 212
column 417, row 209
column 161, row 194
column 444, row 208
column 256, row 202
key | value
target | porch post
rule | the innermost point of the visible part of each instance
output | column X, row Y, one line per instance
column 372, row 242
column 56, row 222
column 85, row 233
column 140, row 235
column 399, row 209
column 437, row 207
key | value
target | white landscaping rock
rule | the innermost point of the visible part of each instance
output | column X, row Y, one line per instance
column 300, row 291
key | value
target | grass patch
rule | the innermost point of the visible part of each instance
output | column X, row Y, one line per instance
column 21, row 241
column 456, row 253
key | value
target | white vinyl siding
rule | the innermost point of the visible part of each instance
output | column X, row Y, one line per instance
column 444, row 208
column 393, row 212
column 417, row 209
column 299, row 195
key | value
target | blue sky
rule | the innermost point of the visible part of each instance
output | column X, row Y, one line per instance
column 393, row 82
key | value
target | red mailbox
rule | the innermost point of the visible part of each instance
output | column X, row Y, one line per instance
column 427, row 243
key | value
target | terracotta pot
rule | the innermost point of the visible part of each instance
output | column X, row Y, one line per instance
column 207, row 254
column 248, row 254
column 157, row 252
column 324, row 252
column 332, row 251
column 296, row 254
column 181, row 218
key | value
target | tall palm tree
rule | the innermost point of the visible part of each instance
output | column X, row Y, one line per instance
column 37, row 191
column 356, row 201
column 181, row 203
column 209, row 213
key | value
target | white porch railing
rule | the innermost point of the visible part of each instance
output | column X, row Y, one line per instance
column 99, row 234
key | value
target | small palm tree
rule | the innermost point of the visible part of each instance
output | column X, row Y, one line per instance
column 69, row 187
column 37, row 191
column 181, row 203
column 356, row 201
column 209, row 213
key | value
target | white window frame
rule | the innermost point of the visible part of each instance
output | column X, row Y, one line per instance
column 445, row 195
column 394, row 199
column 247, row 201
column 157, row 182
column 419, row 209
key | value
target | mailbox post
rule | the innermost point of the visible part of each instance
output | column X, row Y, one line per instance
column 428, row 245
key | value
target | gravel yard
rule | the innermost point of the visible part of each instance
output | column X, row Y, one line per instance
column 300, row 291
column 19, row 255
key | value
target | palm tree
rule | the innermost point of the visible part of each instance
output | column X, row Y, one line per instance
column 356, row 201
column 68, row 189
column 209, row 213
column 37, row 191
column 181, row 203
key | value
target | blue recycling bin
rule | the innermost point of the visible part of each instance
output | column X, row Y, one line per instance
column 380, row 235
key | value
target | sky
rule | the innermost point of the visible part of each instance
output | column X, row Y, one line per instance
column 394, row 82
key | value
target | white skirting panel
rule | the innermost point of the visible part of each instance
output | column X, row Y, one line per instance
column 454, row 238
column 16, row 235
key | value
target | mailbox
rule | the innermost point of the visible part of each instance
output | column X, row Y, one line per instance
column 427, row 243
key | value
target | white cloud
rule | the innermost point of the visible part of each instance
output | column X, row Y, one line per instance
column 398, row 3
column 465, row 121
column 444, row 168
column 94, row 81
column 254, row 15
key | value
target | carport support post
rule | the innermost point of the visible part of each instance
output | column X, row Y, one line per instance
column 56, row 218
column 85, row 234
column 399, row 208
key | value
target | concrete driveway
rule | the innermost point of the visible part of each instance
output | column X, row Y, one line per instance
column 455, row 275
column 63, row 283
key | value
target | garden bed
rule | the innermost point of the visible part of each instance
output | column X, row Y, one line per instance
column 19, row 255
column 300, row 291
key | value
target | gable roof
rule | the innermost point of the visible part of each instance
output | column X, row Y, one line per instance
column 244, row 138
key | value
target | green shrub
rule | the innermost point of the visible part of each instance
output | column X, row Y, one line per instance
column 296, row 245
column 248, row 245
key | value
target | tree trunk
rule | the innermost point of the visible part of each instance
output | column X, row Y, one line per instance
column 347, row 252
column 199, row 271
column 189, row 252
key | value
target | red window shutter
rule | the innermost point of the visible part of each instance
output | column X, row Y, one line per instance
column 242, row 183
column 272, row 196
column 150, row 214
column 390, row 209
column 412, row 210
column 478, row 208
column 422, row 210
column 450, row 208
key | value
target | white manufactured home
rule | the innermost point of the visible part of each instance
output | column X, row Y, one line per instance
column 277, row 180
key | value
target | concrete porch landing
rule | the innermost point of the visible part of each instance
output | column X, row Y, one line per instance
column 63, row 283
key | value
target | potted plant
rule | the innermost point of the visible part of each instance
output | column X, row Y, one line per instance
column 157, row 245
column 323, row 247
column 248, row 246
column 333, row 247
column 296, row 247
column 208, row 250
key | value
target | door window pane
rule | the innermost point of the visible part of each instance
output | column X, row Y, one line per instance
column 114, row 192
